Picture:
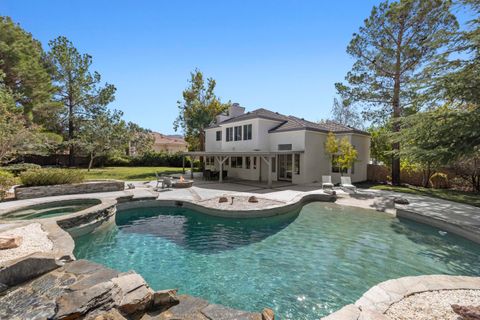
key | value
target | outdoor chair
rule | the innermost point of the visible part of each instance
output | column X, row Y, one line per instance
column 327, row 182
column 346, row 183
column 167, row 182
column 159, row 179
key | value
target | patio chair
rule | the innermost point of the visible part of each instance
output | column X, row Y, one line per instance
column 159, row 179
column 346, row 183
column 327, row 182
column 167, row 182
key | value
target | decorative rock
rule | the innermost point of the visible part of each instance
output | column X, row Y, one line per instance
column 10, row 242
column 222, row 199
column 137, row 295
column 267, row 314
column 467, row 312
column 400, row 200
column 110, row 315
column 165, row 298
column 253, row 199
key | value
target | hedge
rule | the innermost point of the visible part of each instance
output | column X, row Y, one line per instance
column 51, row 176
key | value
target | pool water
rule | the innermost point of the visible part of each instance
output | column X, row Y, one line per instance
column 50, row 209
column 302, row 265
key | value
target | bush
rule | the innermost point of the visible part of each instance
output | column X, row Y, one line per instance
column 439, row 180
column 7, row 180
column 159, row 159
column 45, row 177
column 18, row 168
column 118, row 161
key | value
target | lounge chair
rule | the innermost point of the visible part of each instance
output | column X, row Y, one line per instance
column 327, row 182
column 346, row 183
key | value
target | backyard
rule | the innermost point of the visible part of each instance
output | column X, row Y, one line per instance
column 127, row 173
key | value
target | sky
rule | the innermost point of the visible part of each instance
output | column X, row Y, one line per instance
column 283, row 55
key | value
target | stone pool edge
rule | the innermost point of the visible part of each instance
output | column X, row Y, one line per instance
column 377, row 300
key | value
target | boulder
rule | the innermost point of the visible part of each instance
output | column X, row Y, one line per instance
column 135, row 294
column 467, row 312
column 267, row 314
column 110, row 315
column 165, row 299
column 252, row 199
column 222, row 199
column 400, row 200
column 10, row 242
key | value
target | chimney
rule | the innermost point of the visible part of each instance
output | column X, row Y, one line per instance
column 235, row 110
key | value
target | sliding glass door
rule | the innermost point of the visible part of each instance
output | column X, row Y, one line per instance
column 285, row 167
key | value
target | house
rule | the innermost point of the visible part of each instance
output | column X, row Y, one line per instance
column 168, row 144
column 263, row 145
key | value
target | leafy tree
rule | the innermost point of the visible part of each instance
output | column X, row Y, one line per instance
column 345, row 113
column 140, row 139
column 198, row 109
column 392, row 49
column 341, row 152
column 103, row 134
column 25, row 70
column 79, row 90
column 380, row 144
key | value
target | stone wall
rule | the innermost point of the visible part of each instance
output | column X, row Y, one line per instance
column 63, row 189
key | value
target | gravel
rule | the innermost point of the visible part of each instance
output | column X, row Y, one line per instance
column 433, row 305
column 34, row 240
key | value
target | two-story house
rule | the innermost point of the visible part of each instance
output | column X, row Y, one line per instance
column 267, row 146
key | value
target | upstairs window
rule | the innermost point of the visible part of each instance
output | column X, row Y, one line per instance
column 247, row 132
column 219, row 135
column 284, row 147
column 238, row 133
column 229, row 134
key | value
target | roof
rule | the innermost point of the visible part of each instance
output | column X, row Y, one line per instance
column 291, row 123
column 163, row 139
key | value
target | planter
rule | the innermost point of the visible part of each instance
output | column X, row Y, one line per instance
column 64, row 189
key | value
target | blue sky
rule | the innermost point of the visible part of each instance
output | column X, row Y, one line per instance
column 280, row 55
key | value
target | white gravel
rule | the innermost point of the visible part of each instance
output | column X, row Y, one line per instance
column 34, row 240
column 240, row 203
column 433, row 305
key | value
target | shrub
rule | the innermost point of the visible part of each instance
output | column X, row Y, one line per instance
column 159, row 159
column 118, row 161
column 7, row 180
column 18, row 168
column 45, row 177
column 439, row 180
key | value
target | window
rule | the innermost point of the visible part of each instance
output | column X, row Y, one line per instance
column 248, row 162
column 274, row 165
column 209, row 161
column 247, row 132
column 296, row 163
column 283, row 147
column 236, row 162
column 335, row 167
column 254, row 162
column 219, row 135
column 238, row 133
column 229, row 134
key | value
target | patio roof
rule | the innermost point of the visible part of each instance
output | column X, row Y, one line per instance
column 239, row 153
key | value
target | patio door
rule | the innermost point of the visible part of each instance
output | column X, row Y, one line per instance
column 285, row 167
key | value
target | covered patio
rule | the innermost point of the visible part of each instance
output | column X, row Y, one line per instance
column 221, row 157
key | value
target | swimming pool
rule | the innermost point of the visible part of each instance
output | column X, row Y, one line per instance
column 50, row 209
column 304, row 265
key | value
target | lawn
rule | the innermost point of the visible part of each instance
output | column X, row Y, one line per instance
column 470, row 198
column 128, row 173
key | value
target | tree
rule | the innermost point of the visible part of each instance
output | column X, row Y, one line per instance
column 26, row 72
column 101, row 135
column 198, row 109
column 346, row 114
column 380, row 144
column 341, row 152
column 140, row 139
column 392, row 49
column 78, row 89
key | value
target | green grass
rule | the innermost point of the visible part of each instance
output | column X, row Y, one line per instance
column 470, row 198
column 128, row 173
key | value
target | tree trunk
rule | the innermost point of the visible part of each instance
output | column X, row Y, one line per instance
column 90, row 163
column 71, row 153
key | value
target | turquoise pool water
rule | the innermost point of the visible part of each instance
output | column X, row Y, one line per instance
column 50, row 209
column 303, row 265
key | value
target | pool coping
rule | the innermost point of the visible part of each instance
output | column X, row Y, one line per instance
column 377, row 300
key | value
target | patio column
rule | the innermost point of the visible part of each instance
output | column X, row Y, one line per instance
column 221, row 160
column 183, row 164
column 268, row 161
column 192, row 159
